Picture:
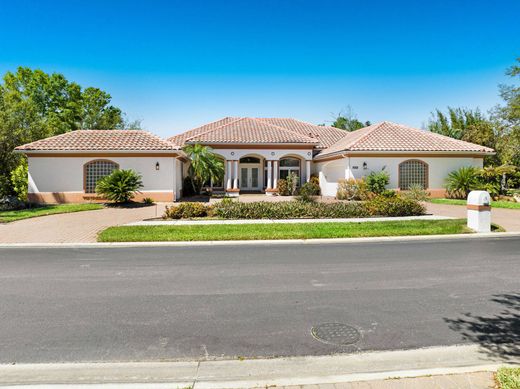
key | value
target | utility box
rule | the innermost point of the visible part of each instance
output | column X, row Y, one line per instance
column 479, row 211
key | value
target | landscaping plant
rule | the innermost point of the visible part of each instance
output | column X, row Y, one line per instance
column 119, row 186
column 462, row 181
column 187, row 211
column 352, row 189
column 19, row 180
column 292, row 183
column 283, row 190
column 308, row 191
column 205, row 165
column 230, row 209
column 377, row 181
column 416, row 192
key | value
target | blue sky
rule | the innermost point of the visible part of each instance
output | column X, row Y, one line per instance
column 179, row 64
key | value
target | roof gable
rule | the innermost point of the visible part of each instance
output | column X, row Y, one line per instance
column 248, row 131
column 101, row 140
column 235, row 130
column 392, row 137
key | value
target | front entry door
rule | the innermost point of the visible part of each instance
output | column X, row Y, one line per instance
column 250, row 177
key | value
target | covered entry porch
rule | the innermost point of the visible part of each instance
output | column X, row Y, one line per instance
column 258, row 171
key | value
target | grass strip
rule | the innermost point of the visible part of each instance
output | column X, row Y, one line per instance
column 494, row 204
column 281, row 231
column 508, row 378
column 51, row 209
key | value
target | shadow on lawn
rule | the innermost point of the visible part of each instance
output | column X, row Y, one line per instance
column 498, row 335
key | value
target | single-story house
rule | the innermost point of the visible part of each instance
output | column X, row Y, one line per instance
column 256, row 153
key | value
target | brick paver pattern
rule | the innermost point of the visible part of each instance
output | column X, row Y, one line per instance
column 77, row 227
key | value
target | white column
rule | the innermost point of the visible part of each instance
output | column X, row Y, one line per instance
column 229, row 175
column 269, row 174
column 275, row 175
column 308, row 170
column 235, row 175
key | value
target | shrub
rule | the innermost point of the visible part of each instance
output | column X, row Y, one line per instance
column 352, row 189
column 292, row 183
column 416, row 192
column 187, row 211
column 315, row 180
column 462, row 181
column 283, row 190
column 148, row 200
column 377, row 182
column 307, row 191
column 19, row 181
column 119, row 186
column 394, row 206
column 288, row 210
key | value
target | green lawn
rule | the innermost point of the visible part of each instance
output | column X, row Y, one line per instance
column 508, row 378
column 281, row 231
column 494, row 204
column 10, row 216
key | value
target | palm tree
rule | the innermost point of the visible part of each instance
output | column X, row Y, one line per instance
column 204, row 165
column 462, row 181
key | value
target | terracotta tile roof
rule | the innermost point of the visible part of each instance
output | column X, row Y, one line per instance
column 260, row 131
column 246, row 131
column 388, row 136
column 83, row 140
column 325, row 135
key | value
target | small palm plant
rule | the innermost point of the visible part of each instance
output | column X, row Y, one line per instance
column 462, row 181
column 205, row 165
column 119, row 186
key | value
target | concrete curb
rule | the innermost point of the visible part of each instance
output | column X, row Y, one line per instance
column 255, row 373
column 413, row 238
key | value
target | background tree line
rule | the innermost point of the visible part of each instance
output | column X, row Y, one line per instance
column 35, row 105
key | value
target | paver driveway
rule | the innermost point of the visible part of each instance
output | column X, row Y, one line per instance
column 73, row 227
column 509, row 219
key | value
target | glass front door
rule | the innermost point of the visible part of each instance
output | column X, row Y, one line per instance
column 249, row 178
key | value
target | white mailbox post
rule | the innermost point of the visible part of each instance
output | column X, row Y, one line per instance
column 479, row 211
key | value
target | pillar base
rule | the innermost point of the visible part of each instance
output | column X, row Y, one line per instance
column 232, row 192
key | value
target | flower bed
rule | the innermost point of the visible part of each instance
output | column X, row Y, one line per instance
column 229, row 209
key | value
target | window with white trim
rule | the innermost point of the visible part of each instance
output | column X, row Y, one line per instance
column 95, row 170
column 289, row 165
column 413, row 172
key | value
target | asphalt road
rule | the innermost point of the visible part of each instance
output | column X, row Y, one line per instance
column 124, row 304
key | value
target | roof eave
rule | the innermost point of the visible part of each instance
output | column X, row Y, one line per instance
column 394, row 152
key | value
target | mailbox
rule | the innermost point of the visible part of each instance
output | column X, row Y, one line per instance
column 479, row 211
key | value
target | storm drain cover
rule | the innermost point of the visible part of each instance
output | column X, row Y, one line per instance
column 336, row 333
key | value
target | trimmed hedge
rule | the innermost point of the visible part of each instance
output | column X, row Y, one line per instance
column 378, row 206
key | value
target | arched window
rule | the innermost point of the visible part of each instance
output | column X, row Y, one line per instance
column 413, row 172
column 249, row 160
column 95, row 170
column 289, row 165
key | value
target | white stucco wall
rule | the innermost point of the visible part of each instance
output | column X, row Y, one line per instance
column 352, row 167
column 65, row 174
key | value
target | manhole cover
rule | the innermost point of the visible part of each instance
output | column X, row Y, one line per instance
column 335, row 333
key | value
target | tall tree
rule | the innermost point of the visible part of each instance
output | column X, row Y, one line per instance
column 467, row 125
column 205, row 165
column 347, row 120
column 507, row 117
column 35, row 105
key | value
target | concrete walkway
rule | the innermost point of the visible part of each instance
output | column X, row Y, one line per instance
column 271, row 221
column 509, row 219
column 77, row 227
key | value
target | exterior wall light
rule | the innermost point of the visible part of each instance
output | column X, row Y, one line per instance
column 365, row 166
column 157, row 166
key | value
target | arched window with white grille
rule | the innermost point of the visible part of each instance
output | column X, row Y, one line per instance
column 413, row 172
column 93, row 171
